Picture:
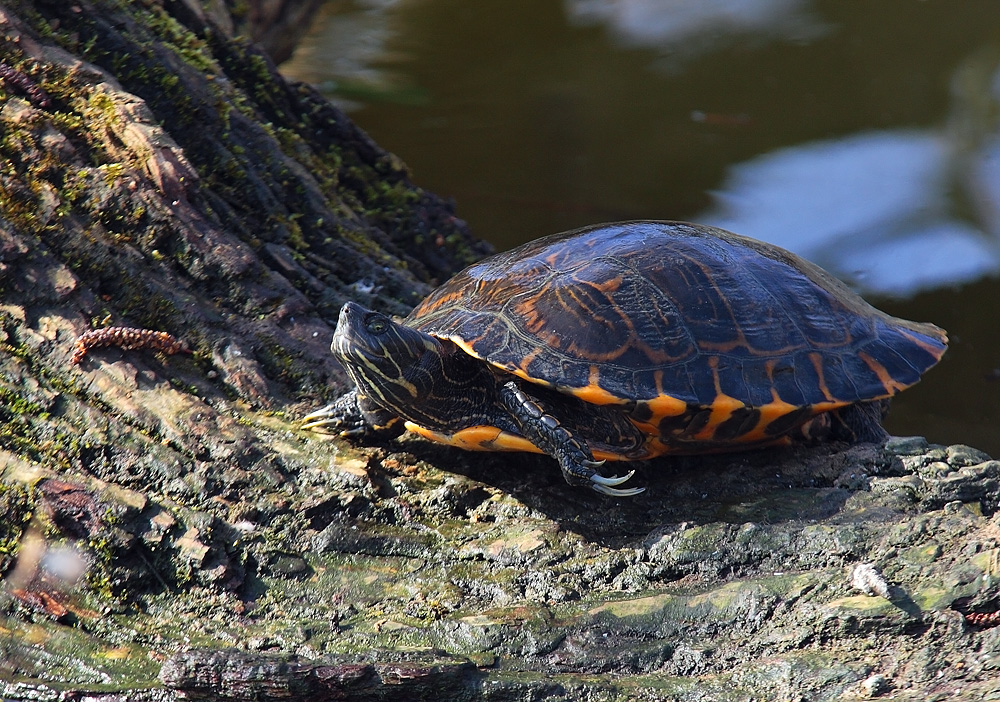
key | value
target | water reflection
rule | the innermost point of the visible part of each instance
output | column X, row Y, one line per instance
column 684, row 28
column 894, row 211
column 874, row 208
column 355, row 72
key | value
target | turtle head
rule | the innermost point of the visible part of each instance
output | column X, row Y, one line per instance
column 388, row 362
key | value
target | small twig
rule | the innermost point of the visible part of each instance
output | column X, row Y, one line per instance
column 128, row 338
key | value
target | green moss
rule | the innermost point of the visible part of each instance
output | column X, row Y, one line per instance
column 26, row 431
column 111, row 172
column 19, row 414
column 295, row 237
column 189, row 47
column 104, row 550
column 13, row 403
column 17, row 504
column 278, row 363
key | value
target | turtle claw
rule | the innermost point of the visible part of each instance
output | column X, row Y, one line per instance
column 601, row 480
column 605, row 485
column 343, row 417
column 617, row 492
column 321, row 418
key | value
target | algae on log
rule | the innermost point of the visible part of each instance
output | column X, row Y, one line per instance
column 168, row 532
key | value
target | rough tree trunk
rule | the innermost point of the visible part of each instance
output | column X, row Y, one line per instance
column 168, row 532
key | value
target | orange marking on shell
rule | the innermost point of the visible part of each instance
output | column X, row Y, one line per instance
column 817, row 362
column 664, row 405
column 773, row 411
column 609, row 285
column 659, row 408
column 778, row 408
column 552, row 260
column 462, row 344
column 436, row 302
column 594, row 394
column 769, row 369
column 891, row 385
column 934, row 351
column 526, row 361
column 570, row 301
column 768, row 413
column 707, row 346
column 722, row 409
column 723, row 406
column 726, row 346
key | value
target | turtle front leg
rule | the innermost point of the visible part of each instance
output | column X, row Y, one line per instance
column 355, row 416
column 544, row 431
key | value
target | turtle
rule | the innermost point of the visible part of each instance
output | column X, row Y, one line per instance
column 626, row 341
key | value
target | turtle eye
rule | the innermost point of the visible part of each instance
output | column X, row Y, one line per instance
column 376, row 324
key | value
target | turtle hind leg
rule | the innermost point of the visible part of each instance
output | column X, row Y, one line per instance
column 860, row 422
column 544, row 431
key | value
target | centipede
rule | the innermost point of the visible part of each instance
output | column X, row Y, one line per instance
column 983, row 619
column 127, row 338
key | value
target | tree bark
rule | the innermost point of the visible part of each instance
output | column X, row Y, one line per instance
column 169, row 533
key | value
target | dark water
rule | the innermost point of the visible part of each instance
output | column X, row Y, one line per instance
column 862, row 135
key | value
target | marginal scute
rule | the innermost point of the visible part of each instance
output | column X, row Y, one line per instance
column 741, row 422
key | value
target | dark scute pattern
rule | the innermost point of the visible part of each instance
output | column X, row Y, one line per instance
column 638, row 300
column 838, row 381
column 731, row 381
column 701, row 382
column 757, row 382
column 690, row 422
column 676, row 380
column 862, row 377
column 793, row 299
column 899, row 367
column 740, row 422
column 787, row 422
column 905, row 352
column 724, row 303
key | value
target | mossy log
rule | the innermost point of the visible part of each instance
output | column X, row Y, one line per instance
column 169, row 533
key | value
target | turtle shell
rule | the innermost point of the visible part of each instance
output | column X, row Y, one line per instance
column 700, row 331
